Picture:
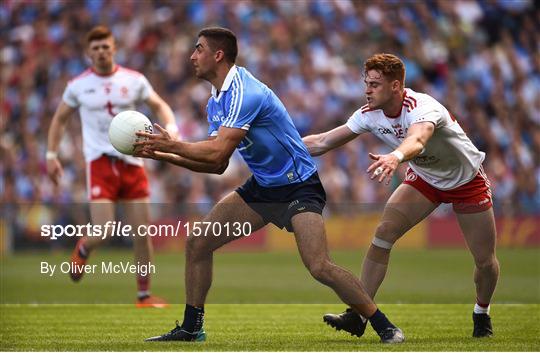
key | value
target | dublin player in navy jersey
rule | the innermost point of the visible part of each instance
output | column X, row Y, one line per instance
column 245, row 114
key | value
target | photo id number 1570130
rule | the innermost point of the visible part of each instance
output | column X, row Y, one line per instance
column 217, row 229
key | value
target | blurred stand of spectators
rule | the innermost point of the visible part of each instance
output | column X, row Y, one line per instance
column 479, row 58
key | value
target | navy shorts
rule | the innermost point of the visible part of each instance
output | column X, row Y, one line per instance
column 278, row 205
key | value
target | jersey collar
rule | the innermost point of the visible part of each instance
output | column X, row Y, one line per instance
column 227, row 83
column 115, row 68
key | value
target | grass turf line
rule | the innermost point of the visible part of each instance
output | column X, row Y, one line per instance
column 259, row 327
column 415, row 277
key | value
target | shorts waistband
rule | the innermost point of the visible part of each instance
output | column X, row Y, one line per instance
column 110, row 157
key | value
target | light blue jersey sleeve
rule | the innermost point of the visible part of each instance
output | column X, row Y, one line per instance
column 212, row 130
column 213, row 127
column 241, row 108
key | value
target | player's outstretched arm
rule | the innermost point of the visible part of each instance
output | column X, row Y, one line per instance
column 385, row 165
column 199, row 167
column 164, row 112
column 326, row 141
column 56, row 131
column 214, row 153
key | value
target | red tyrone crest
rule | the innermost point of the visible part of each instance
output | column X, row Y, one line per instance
column 124, row 91
column 107, row 87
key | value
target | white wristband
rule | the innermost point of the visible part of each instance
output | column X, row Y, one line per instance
column 51, row 155
column 399, row 155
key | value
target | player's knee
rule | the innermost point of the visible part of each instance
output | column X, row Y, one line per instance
column 392, row 226
column 387, row 233
column 487, row 263
column 320, row 270
column 195, row 246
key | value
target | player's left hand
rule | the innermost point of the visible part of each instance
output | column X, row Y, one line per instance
column 160, row 142
column 384, row 166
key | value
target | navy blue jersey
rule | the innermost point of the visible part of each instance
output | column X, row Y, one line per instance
column 272, row 147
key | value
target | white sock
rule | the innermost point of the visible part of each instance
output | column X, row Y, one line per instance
column 143, row 293
column 83, row 251
column 480, row 310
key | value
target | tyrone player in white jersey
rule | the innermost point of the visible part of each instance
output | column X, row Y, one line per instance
column 99, row 93
column 444, row 167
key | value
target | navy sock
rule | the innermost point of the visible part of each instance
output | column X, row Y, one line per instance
column 379, row 322
column 193, row 318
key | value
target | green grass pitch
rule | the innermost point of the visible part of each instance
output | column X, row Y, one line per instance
column 267, row 302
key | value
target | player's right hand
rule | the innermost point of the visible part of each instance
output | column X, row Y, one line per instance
column 161, row 142
column 55, row 170
column 384, row 166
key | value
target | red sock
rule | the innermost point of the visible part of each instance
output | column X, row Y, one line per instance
column 483, row 305
column 143, row 285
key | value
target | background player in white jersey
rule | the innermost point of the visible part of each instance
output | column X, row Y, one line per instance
column 99, row 93
column 444, row 167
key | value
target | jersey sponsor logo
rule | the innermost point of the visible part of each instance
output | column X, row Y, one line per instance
column 290, row 176
column 384, row 131
column 89, row 91
column 426, row 160
column 399, row 131
column 218, row 116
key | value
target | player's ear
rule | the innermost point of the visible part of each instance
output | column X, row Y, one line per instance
column 219, row 55
column 396, row 85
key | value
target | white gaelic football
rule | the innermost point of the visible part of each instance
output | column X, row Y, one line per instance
column 123, row 129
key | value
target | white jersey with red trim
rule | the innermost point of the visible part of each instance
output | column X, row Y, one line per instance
column 99, row 98
column 449, row 158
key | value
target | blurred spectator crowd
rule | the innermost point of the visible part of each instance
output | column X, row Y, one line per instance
column 479, row 58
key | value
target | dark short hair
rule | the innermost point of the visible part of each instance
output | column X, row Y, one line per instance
column 389, row 65
column 221, row 39
column 98, row 33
